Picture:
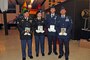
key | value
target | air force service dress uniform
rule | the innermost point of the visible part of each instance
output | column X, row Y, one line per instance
column 64, row 27
column 51, row 21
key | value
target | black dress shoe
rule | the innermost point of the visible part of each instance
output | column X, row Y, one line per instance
column 60, row 56
column 55, row 53
column 31, row 57
column 66, row 59
column 43, row 54
column 37, row 55
column 49, row 53
column 24, row 59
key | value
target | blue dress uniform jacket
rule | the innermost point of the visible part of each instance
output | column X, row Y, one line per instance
column 52, row 36
column 22, row 23
column 64, row 23
column 51, row 21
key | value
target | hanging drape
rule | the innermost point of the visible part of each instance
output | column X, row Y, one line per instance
column 3, row 5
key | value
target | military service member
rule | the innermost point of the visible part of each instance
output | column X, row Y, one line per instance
column 39, row 26
column 64, row 27
column 24, row 23
column 51, row 21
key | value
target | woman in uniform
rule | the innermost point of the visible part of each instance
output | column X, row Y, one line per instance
column 39, row 30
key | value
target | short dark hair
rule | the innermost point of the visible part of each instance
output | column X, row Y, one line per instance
column 39, row 11
column 62, row 8
column 52, row 7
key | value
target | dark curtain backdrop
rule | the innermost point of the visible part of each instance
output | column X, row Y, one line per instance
column 74, row 8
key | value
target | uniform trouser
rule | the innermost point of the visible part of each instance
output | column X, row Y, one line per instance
column 39, row 40
column 52, row 39
column 23, row 46
column 65, row 41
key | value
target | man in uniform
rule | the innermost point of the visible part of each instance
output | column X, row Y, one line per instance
column 64, row 27
column 51, row 20
column 24, row 23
